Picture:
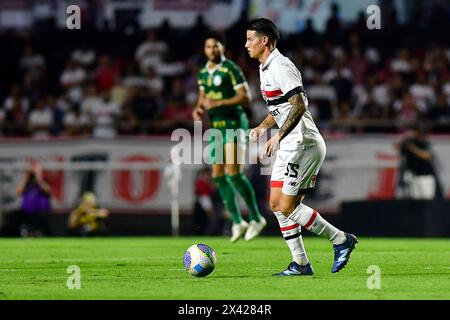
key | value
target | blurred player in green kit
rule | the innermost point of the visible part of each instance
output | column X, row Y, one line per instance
column 223, row 91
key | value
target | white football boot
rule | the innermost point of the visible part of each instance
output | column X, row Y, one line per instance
column 255, row 229
column 238, row 230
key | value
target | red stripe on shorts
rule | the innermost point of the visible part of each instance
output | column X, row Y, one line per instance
column 276, row 184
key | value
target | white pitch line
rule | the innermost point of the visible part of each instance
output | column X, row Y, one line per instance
column 88, row 260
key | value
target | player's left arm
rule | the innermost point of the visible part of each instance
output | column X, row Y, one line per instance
column 241, row 98
column 295, row 114
column 289, row 81
column 242, row 90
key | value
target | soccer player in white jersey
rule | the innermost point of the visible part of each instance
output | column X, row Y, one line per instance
column 299, row 148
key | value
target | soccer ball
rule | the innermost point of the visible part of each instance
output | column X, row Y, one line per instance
column 199, row 260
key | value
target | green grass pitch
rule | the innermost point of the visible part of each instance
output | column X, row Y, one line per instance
column 152, row 268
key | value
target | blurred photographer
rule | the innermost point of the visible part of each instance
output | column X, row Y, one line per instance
column 32, row 219
column 418, row 179
column 88, row 219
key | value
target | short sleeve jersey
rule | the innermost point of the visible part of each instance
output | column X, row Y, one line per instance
column 221, row 83
column 280, row 80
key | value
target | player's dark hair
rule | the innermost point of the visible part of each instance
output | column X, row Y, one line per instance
column 216, row 36
column 265, row 27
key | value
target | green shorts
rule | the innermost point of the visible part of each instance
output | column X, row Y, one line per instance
column 227, row 130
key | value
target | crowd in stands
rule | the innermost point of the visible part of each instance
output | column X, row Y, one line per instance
column 357, row 80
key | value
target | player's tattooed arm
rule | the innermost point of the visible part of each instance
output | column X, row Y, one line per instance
column 295, row 114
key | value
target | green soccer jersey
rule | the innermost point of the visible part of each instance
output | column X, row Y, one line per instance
column 220, row 83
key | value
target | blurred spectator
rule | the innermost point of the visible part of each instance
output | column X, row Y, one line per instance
column 322, row 98
column 154, row 82
column 422, row 92
column 16, row 99
column 146, row 109
column 33, row 63
column 440, row 113
column 40, row 120
column 72, row 79
column 64, row 102
column 32, row 219
column 76, row 123
column 128, row 123
column 84, row 56
column 104, row 117
column 380, row 92
column 16, row 121
column 119, row 92
column 32, row 88
column 370, row 110
column 133, row 77
column 91, row 99
column 401, row 62
column 58, row 115
column 309, row 37
column 418, row 177
column 358, row 66
column 150, row 53
column 177, row 112
column 105, row 75
column 406, row 111
column 87, row 219
column 16, row 108
column 333, row 28
column 340, row 79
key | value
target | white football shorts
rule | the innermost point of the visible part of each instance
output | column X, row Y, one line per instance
column 296, row 171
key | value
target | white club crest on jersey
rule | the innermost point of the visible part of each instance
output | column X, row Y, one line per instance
column 217, row 81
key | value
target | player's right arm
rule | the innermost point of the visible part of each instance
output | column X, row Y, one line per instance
column 198, row 110
column 257, row 132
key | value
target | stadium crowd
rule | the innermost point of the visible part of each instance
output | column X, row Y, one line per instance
column 104, row 84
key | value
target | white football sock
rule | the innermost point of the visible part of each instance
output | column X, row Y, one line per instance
column 311, row 220
column 292, row 236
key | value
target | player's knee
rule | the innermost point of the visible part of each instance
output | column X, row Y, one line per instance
column 274, row 205
column 286, row 208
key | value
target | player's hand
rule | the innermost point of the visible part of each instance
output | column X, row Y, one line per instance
column 256, row 133
column 209, row 104
column 197, row 114
column 272, row 145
